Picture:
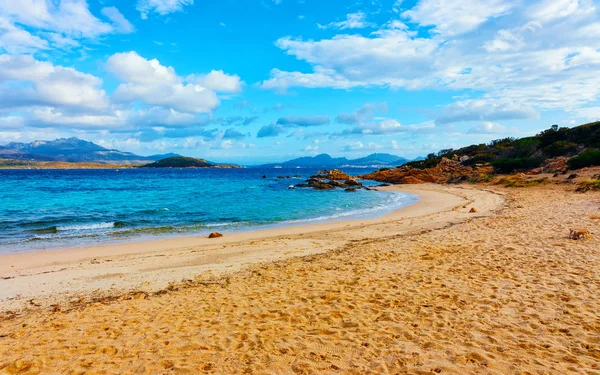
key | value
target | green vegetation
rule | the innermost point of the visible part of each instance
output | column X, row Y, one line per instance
column 586, row 159
column 508, row 165
column 509, row 155
column 179, row 162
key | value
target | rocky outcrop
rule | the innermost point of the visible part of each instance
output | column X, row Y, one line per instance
column 333, row 174
column 447, row 171
column 331, row 179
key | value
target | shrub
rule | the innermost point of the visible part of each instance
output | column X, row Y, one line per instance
column 585, row 159
column 560, row 148
column 508, row 165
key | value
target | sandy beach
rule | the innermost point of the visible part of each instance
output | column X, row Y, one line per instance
column 431, row 288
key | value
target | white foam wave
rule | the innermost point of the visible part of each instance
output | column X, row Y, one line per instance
column 86, row 227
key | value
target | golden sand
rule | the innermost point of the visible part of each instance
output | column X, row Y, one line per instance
column 503, row 294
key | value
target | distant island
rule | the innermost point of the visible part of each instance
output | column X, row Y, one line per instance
column 326, row 161
column 186, row 162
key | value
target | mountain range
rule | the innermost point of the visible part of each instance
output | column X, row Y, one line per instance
column 73, row 150
column 76, row 150
column 327, row 161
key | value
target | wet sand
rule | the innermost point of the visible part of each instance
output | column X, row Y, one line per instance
column 500, row 291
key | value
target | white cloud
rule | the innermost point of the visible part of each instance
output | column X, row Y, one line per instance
column 162, row 7
column 70, row 17
column 18, row 41
column 487, row 128
column 157, row 85
column 48, row 85
column 353, row 21
column 451, row 18
column 310, row 148
column 218, row 81
column 552, row 10
column 353, row 146
column 518, row 59
column 484, row 110
column 119, row 21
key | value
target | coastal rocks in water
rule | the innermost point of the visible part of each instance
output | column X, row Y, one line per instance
column 352, row 182
column 579, row 234
column 333, row 174
column 215, row 235
column 350, row 190
column 323, row 186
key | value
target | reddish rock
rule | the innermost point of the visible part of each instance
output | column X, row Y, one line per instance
column 215, row 235
column 446, row 171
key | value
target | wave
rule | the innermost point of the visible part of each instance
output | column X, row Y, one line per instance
column 395, row 202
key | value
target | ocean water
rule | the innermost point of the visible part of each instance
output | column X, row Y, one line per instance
column 49, row 209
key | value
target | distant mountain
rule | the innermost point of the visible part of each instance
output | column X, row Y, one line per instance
column 326, row 161
column 72, row 150
column 179, row 162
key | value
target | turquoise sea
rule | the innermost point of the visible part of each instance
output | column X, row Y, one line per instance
column 49, row 209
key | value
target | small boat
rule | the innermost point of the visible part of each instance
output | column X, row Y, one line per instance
column 291, row 187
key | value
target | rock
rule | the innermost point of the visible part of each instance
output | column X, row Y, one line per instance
column 557, row 164
column 352, row 182
column 323, row 186
column 264, row 176
column 215, row 235
column 179, row 231
column 350, row 190
column 302, row 185
column 447, row 170
column 333, row 174
column 473, row 210
column 572, row 176
column 464, row 158
column 579, row 234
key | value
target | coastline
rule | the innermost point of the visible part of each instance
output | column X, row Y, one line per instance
column 55, row 276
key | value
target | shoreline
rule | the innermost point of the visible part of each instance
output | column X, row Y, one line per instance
column 353, row 215
column 55, row 276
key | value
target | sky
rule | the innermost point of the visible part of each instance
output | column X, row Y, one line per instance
column 268, row 80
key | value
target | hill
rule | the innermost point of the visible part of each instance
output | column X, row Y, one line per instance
column 555, row 150
column 325, row 161
column 73, row 150
column 179, row 162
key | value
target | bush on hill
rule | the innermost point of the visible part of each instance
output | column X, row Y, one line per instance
column 587, row 158
column 509, row 165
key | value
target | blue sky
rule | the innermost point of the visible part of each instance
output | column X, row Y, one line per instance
column 266, row 80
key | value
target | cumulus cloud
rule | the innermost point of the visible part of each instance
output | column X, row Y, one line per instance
column 303, row 121
column 555, row 67
column 47, row 85
column 485, row 110
column 161, row 7
column 218, row 81
column 14, row 40
column 154, row 84
column 70, row 18
column 456, row 17
column 272, row 130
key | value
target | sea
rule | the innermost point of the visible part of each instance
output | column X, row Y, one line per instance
column 53, row 209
